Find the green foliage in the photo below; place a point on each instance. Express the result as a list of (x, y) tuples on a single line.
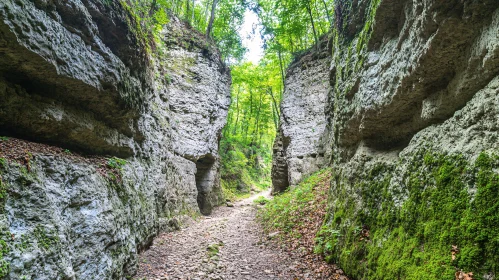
[(229, 15), (287, 210), (146, 18), (3, 163), (246, 145), (228, 20), (261, 200), (116, 163), (4, 138), (291, 26), (378, 230)]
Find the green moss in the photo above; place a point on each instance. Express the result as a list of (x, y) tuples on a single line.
[(115, 182), (3, 163), (3, 195), (365, 33), (46, 239), (407, 230), (349, 54), (5, 238), (213, 249)]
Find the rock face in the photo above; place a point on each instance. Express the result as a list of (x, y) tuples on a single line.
[(75, 74), (299, 148), (411, 114)]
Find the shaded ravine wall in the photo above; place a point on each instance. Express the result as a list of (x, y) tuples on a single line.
[(78, 75), (411, 122)]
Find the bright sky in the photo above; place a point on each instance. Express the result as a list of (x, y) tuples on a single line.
[(251, 38)]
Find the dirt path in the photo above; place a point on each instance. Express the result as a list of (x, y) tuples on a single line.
[(191, 253)]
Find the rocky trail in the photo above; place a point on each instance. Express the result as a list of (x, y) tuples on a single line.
[(229, 244)]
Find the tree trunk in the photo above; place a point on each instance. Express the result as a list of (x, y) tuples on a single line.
[(273, 99), (152, 10), (309, 10), (237, 110), (275, 116), (327, 13), (193, 11), (212, 18), (249, 117), (257, 122), (280, 64), (187, 10)]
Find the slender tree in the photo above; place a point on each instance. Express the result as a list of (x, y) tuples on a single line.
[(212, 18)]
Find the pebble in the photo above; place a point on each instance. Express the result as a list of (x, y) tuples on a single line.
[(241, 255)]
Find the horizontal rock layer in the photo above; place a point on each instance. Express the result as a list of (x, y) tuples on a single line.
[(411, 116), (77, 75)]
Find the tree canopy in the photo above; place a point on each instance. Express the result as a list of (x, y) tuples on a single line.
[(287, 28)]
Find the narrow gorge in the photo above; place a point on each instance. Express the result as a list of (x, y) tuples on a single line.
[(137, 141)]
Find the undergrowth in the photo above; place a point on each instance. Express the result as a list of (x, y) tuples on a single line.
[(244, 169), (300, 210)]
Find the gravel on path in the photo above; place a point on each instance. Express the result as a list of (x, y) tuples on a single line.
[(229, 244)]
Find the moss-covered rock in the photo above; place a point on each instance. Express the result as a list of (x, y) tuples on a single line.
[(439, 219)]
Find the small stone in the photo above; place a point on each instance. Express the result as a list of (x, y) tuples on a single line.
[(229, 204), (272, 235)]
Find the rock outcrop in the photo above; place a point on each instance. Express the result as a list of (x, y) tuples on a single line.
[(411, 116), (78, 75), (299, 148)]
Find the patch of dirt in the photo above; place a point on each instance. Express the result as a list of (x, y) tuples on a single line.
[(23, 152), (229, 244)]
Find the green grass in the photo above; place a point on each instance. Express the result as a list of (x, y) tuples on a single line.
[(261, 200), (288, 211)]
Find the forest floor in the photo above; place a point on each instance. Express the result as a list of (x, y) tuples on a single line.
[(229, 244)]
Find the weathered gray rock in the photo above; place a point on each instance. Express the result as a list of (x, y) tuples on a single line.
[(74, 74), (412, 74), (412, 103), (199, 104), (298, 149)]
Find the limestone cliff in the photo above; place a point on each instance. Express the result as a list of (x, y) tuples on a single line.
[(411, 114), (299, 149), (77, 75)]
